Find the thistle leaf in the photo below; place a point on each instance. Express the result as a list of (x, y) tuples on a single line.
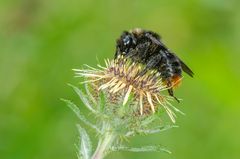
[(78, 152), (89, 93), (84, 98), (102, 102), (157, 129), (176, 109), (157, 148), (85, 146), (77, 111), (148, 120)]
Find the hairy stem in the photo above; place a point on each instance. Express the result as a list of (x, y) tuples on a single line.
[(104, 143)]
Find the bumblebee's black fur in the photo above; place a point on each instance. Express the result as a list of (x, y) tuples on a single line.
[(146, 47)]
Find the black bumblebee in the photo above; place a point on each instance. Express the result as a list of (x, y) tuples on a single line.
[(146, 47)]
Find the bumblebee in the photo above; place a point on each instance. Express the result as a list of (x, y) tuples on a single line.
[(146, 47)]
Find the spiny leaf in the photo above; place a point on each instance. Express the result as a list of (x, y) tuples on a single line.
[(77, 111), (157, 129), (86, 146), (157, 148), (150, 131), (78, 145), (148, 120), (176, 109), (102, 102), (83, 98), (89, 94)]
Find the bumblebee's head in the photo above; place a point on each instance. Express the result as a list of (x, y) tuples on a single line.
[(125, 43), (129, 40)]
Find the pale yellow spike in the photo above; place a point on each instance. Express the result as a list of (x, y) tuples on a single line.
[(104, 68), (102, 87), (134, 71), (127, 95), (106, 62), (87, 74), (149, 97), (108, 84), (141, 103), (116, 87), (144, 77), (170, 113), (109, 62), (91, 81), (113, 83), (158, 99), (119, 88)]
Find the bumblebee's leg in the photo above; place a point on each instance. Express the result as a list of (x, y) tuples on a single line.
[(170, 90)]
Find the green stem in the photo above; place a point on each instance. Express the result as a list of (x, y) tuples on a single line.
[(104, 144)]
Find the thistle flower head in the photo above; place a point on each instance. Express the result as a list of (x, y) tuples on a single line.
[(121, 80), (125, 101)]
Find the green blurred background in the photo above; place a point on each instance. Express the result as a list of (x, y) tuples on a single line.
[(42, 40)]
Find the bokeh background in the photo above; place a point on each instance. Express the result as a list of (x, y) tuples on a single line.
[(42, 40)]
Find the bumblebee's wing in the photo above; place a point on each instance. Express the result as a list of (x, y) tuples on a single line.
[(186, 68)]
